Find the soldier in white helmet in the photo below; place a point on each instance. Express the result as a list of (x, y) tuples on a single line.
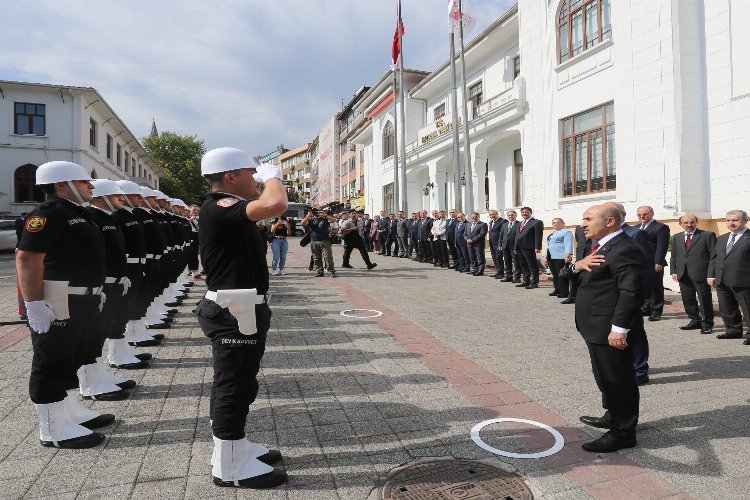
[(61, 271), (234, 314)]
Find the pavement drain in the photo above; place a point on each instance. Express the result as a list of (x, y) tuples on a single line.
[(448, 479)]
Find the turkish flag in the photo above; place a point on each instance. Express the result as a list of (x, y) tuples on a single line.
[(396, 49)]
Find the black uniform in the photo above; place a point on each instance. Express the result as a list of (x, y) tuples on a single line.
[(155, 247), (193, 255), (135, 248), (74, 248), (111, 322), (233, 257)]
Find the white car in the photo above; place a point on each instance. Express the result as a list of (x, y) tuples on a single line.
[(8, 238)]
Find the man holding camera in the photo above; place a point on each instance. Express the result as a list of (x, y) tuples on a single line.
[(319, 224)]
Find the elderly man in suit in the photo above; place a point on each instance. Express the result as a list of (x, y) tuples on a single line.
[(528, 245), (425, 231), (391, 240), (729, 272), (402, 233), (658, 235), (607, 315), (383, 231), (414, 236), (450, 237), (495, 229), (508, 247), (475, 236), (462, 248), (691, 254)]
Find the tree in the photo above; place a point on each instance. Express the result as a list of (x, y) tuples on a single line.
[(180, 159)]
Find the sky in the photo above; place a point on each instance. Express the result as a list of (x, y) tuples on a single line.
[(251, 74)]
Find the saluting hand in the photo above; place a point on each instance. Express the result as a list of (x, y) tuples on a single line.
[(589, 263)]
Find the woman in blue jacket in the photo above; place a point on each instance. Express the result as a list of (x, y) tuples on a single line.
[(559, 253)]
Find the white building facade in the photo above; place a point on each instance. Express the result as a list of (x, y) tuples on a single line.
[(577, 102), (41, 123)]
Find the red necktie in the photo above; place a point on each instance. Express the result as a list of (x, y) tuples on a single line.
[(594, 248), (688, 241), (523, 224)]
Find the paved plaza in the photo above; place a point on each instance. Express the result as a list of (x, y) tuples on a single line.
[(348, 399)]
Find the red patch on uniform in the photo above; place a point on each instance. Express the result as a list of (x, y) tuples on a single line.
[(35, 223), (227, 202)]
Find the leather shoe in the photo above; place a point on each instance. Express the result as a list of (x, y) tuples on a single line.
[(347, 266), (521, 284), (479, 274), (693, 325), (507, 280), (746, 342), (132, 366), (110, 396), (569, 300), (728, 335), (603, 422), (143, 356), (268, 480), (100, 421), (642, 380), (128, 384), (553, 293), (372, 266), (87, 441), (493, 275), (609, 443), (517, 281), (654, 317), (270, 458), (706, 330), (145, 343), (532, 286)]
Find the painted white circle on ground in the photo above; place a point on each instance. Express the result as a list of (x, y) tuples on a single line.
[(346, 313), (559, 440)]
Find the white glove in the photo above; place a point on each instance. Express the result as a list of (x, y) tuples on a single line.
[(102, 300), (126, 284), (265, 172), (40, 316)]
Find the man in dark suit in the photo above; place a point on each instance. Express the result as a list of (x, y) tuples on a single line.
[(528, 245), (508, 245), (402, 232), (450, 232), (729, 272), (425, 231), (691, 254), (658, 235), (383, 232), (462, 248), (414, 237), (476, 232), (367, 227), (607, 314), (495, 229), (391, 239)]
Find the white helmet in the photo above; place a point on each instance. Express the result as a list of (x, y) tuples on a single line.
[(60, 171), (129, 187), (160, 195), (179, 203), (106, 187), (221, 160), (147, 192)]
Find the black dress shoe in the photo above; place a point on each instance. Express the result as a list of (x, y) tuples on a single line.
[(728, 335), (517, 281), (173, 304), (562, 295), (693, 325), (157, 336), (532, 286), (264, 481), (79, 443), (110, 396), (609, 443), (158, 326), (372, 266), (642, 380), (498, 277), (145, 343), (654, 317), (143, 356), (481, 273), (270, 458), (746, 341), (707, 330), (603, 422), (493, 275), (569, 300), (553, 293), (128, 384), (100, 421), (347, 266), (507, 280), (521, 284), (132, 366)]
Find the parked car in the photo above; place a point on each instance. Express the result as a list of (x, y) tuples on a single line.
[(8, 238)]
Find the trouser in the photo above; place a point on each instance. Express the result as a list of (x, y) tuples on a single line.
[(614, 374), (414, 247), (640, 356), (135, 299), (108, 324), (359, 244), (426, 251), (321, 251), (453, 252), (368, 243), (391, 240), (441, 249), (279, 247), (462, 252), (236, 362), (559, 283), (497, 260), (529, 265), (512, 267), (688, 290), (477, 249), (657, 295), (732, 300), (56, 354), (193, 255), (402, 242)]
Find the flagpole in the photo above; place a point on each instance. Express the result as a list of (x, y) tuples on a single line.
[(467, 142), (395, 145), (403, 205), (454, 121)]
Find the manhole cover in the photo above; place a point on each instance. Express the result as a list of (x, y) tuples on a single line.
[(451, 479)]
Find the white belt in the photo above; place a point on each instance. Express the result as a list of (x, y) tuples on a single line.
[(212, 296), (136, 260), (111, 280), (152, 256), (84, 290), (169, 249), (241, 304)]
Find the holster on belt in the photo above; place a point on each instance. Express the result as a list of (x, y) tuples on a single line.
[(241, 303), (56, 297)]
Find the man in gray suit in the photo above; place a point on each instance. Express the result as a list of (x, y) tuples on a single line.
[(691, 253), (729, 272), (476, 233), (402, 233)]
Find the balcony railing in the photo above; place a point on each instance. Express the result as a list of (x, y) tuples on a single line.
[(359, 117)]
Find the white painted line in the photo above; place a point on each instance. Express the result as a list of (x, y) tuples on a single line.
[(559, 440), (377, 313)]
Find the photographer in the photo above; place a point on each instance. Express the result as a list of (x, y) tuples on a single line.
[(279, 230), (320, 240), (352, 239)]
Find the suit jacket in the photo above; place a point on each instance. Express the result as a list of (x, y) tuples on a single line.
[(403, 227), (731, 268), (392, 227), (414, 229), (612, 293), (508, 238), (583, 246), (383, 224), (425, 228), (641, 237), (460, 232), (450, 229), (496, 231), (531, 236), (658, 235), (367, 224), (478, 234), (695, 260)]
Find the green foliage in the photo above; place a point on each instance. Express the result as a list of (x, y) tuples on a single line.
[(180, 159)]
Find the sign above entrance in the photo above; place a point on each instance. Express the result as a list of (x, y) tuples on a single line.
[(435, 130)]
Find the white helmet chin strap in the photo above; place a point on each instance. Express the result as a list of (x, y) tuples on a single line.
[(127, 200), (109, 203), (75, 192)]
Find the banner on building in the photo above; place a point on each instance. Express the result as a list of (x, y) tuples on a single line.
[(327, 163), (357, 203)]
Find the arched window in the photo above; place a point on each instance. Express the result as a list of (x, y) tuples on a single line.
[(24, 184), (389, 140), (582, 24)]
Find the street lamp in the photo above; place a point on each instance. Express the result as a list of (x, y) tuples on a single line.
[(428, 187)]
